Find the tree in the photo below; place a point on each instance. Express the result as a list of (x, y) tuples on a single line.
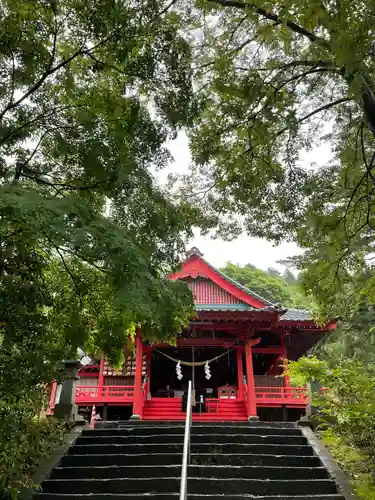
[(272, 76), (89, 93), (273, 272), (347, 400), (272, 288), (289, 277)]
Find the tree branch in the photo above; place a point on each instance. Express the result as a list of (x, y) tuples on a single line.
[(21, 166), (40, 82), (52, 70), (306, 73), (163, 11), (296, 28), (316, 111), (61, 186)]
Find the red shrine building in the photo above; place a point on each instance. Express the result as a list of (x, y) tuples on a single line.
[(234, 351)]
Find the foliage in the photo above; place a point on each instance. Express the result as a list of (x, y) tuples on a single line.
[(272, 285), (348, 401), (277, 79), (355, 464), (26, 442), (353, 339), (89, 93)]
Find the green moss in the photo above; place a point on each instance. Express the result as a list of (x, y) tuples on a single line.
[(357, 465)]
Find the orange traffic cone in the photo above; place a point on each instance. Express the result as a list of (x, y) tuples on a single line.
[(93, 417)]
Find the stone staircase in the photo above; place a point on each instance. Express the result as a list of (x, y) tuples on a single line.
[(143, 461)]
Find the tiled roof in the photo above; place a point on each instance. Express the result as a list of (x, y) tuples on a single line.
[(297, 315), (285, 314), (236, 307)]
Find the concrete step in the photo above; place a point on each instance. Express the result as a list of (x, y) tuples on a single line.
[(196, 485), (223, 471), (175, 496), (138, 430), (199, 459), (148, 459), (195, 438), (140, 423), (214, 448)]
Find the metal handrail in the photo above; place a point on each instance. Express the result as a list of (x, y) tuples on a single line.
[(186, 450)]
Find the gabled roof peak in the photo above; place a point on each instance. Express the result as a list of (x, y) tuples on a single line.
[(194, 251)]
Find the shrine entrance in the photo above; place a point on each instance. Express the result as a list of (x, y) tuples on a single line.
[(165, 383)]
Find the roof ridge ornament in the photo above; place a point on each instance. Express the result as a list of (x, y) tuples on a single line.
[(194, 251)]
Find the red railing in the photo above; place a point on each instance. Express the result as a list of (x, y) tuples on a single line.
[(290, 396), (104, 394)]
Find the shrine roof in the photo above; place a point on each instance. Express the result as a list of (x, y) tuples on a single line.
[(236, 307), (214, 291), (195, 268), (297, 315)]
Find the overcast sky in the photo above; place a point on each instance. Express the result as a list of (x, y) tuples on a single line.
[(243, 250)]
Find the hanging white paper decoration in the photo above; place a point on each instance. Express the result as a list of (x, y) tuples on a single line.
[(178, 371), (207, 371)]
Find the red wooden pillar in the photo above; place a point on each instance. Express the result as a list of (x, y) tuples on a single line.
[(101, 372), (240, 373), (137, 397), (285, 369), (285, 362), (251, 401), (149, 361)]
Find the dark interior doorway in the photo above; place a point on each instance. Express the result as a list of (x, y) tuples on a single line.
[(163, 370)]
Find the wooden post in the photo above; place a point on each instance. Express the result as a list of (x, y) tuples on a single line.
[(149, 361), (285, 361), (53, 395), (101, 371), (251, 401), (285, 370), (240, 373), (137, 397)]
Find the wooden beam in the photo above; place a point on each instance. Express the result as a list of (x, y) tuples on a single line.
[(268, 350)]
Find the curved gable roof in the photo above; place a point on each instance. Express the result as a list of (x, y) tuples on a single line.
[(195, 266)]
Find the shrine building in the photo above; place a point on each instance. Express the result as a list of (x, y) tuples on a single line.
[(234, 352)]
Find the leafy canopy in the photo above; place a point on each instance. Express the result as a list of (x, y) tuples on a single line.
[(89, 93), (270, 284), (276, 79)]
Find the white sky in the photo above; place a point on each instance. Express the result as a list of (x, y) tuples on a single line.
[(243, 250)]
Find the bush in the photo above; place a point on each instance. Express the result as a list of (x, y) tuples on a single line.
[(25, 443), (349, 400)]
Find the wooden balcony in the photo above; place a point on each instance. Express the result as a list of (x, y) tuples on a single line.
[(296, 397), (112, 394)]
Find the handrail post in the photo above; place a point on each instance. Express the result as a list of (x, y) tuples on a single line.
[(186, 450)]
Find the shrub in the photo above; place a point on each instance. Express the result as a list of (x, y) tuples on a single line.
[(349, 400), (25, 443)]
